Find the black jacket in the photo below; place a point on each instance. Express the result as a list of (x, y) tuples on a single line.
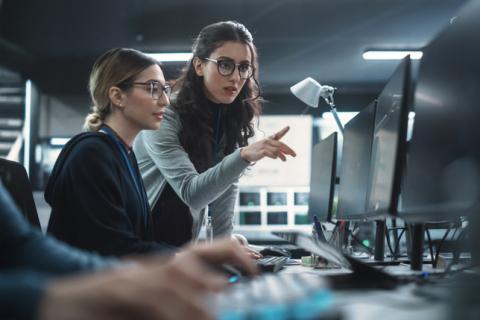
[(95, 205)]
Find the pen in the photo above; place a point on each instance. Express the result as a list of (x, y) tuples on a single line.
[(318, 229)]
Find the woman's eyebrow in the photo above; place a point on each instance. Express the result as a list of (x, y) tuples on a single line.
[(224, 58), (228, 58), (155, 80)]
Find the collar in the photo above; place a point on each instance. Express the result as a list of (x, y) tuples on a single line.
[(127, 147)]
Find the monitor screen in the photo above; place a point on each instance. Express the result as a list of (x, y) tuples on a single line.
[(389, 141), (355, 164), (322, 179), (443, 173)]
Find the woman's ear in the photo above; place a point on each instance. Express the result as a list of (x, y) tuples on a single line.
[(116, 96), (198, 65)]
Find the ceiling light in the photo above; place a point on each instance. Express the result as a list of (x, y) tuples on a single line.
[(391, 55), (58, 142), (171, 57)]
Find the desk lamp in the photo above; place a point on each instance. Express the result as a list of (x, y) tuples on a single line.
[(309, 91)]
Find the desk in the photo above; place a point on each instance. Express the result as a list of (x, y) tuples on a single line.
[(402, 302)]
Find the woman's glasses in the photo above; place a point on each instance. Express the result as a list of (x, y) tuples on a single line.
[(156, 88), (227, 67)]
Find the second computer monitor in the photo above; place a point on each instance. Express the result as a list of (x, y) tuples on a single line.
[(355, 165), (322, 179), (389, 142)]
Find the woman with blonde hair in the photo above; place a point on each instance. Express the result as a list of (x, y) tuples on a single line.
[(95, 190)]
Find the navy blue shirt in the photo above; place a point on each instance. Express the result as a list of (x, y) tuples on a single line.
[(28, 260)]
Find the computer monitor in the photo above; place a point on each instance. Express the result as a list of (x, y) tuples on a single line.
[(443, 165), (322, 179), (355, 165), (442, 179), (389, 143)]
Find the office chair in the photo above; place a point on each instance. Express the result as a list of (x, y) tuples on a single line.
[(14, 177)]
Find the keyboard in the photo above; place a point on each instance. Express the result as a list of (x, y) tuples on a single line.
[(271, 264), (273, 296)]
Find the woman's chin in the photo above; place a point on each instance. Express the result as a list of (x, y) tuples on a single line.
[(153, 126)]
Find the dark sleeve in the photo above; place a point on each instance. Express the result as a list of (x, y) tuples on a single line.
[(20, 294), (25, 246), (31, 258), (97, 183)]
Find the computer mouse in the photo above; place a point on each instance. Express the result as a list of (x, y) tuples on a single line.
[(275, 251)]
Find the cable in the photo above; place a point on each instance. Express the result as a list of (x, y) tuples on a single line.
[(387, 235), (394, 230), (394, 252), (454, 233), (397, 245), (429, 243), (334, 232), (456, 250), (360, 243), (435, 262)]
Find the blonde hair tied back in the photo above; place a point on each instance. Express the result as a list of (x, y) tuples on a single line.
[(115, 67), (94, 120)]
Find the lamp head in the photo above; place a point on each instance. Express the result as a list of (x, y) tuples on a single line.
[(309, 92)]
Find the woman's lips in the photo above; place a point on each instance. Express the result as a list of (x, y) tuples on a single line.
[(231, 90), (158, 115)]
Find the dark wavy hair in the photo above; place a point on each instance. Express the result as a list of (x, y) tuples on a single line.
[(191, 104)]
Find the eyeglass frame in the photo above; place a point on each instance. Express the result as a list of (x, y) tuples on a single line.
[(165, 88), (235, 66)]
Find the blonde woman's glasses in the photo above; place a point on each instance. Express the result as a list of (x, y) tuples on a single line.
[(156, 88)]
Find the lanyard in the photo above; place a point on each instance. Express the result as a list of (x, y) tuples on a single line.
[(218, 116), (135, 177)]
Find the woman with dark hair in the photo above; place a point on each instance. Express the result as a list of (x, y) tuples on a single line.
[(195, 159), (95, 190)]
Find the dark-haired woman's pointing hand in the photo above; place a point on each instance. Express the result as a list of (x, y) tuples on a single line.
[(270, 147)]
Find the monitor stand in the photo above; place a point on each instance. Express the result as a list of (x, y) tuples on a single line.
[(416, 254), (379, 249), (380, 230)]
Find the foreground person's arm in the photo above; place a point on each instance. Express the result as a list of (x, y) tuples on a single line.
[(154, 289)]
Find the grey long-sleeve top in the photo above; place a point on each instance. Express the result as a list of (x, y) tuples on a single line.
[(161, 159)]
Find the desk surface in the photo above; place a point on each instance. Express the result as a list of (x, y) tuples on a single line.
[(403, 302), (400, 303)]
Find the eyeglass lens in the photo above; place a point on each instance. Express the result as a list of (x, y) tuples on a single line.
[(227, 67), (157, 89)]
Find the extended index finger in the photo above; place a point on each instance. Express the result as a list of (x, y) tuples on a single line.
[(279, 135)]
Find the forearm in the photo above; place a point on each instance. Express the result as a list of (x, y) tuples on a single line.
[(48, 255), (198, 190)]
